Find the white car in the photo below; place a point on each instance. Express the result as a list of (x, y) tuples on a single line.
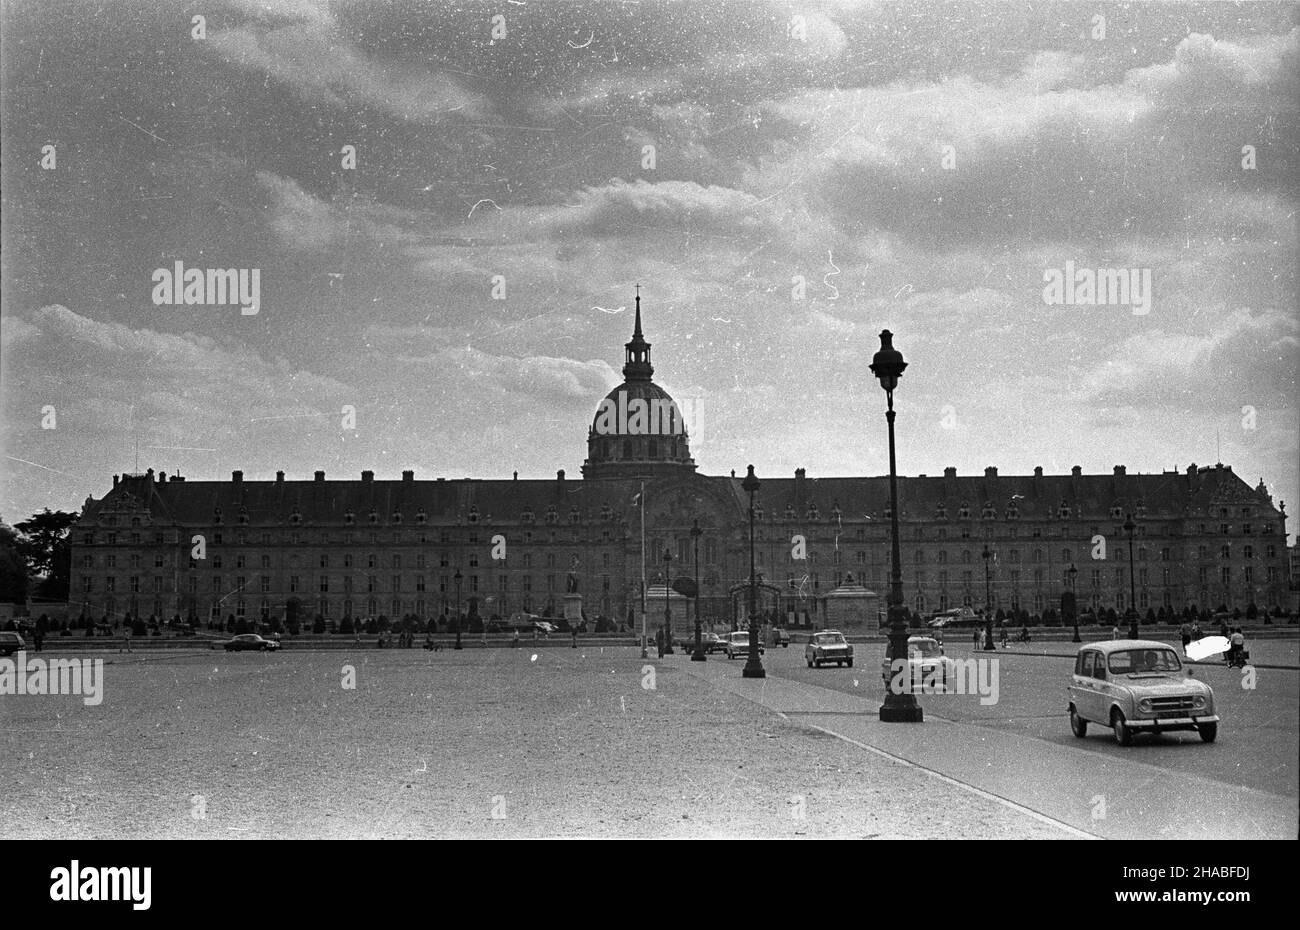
[(826, 647), (738, 644), (926, 663)]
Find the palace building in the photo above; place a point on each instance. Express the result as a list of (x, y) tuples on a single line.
[(280, 549)]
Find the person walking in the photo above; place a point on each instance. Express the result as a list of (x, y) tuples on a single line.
[(514, 640), (126, 638), (976, 639), (1185, 632), (38, 637), (1237, 646), (1196, 630), (1114, 633)]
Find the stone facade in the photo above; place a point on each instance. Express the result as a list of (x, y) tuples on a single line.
[(367, 547)]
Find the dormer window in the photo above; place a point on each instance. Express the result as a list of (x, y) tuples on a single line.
[(243, 514), (528, 516), (606, 513), (295, 517), (789, 511), (421, 517), (551, 515), (813, 513), (349, 517), (216, 516), (835, 512), (941, 512), (473, 513), (988, 513), (374, 517), (574, 515), (964, 511), (397, 516), (1116, 512)]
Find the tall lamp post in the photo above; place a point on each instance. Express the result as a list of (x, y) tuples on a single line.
[(887, 365), (1129, 527), (698, 654), (1074, 604), (753, 664), (457, 577), (668, 605), (988, 600)]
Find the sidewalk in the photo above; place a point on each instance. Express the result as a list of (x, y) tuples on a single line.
[(1082, 792)]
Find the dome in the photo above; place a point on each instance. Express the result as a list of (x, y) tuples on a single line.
[(638, 429)]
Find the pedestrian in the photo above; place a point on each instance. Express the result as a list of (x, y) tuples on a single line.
[(126, 638), (1004, 638), (37, 638), (1186, 633), (1114, 633), (514, 640), (977, 638), (1196, 630), (575, 637), (1237, 647), (659, 641)]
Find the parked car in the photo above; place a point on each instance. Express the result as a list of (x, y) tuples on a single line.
[(10, 643), (926, 662), (1138, 685), (826, 647), (714, 643), (738, 644), (780, 637), (251, 641)]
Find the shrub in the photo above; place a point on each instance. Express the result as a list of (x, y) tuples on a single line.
[(345, 626), (318, 624)]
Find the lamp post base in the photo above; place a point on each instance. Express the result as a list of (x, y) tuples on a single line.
[(699, 657), (755, 672), (901, 711)]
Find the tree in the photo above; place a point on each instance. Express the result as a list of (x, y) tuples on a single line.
[(13, 569), (47, 551)]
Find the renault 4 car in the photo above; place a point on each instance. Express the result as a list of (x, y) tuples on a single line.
[(1138, 686)]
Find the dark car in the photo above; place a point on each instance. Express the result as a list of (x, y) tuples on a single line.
[(780, 637), (10, 643), (247, 641)]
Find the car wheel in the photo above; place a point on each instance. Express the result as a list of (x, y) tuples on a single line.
[(1078, 726), (810, 663), (1123, 735), (850, 663), (1208, 731)]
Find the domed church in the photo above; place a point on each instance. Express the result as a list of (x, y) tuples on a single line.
[(312, 552)]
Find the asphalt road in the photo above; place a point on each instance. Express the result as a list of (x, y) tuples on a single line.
[(1257, 746)]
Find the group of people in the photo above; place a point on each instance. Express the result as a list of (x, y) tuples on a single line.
[(1236, 640)]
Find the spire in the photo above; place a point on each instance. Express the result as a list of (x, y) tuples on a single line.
[(638, 367)]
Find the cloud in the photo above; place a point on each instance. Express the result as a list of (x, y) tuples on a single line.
[(311, 58)]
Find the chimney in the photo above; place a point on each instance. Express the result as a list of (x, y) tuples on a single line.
[(115, 480), (516, 476), (162, 477), (1038, 471), (950, 472), (559, 475), (1121, 469), (799, 476), (320, 476), (237, 477), (365, 475), (408, 476), (991, 471), (279, 477), (1076, 471), (1191, 469)]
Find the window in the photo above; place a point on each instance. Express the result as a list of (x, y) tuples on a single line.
[(266, 561), (324, 560), (397, 582), (397, 561), (324, 583), (293, 583)]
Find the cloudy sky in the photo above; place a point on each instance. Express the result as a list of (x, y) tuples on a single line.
[(917, 166)]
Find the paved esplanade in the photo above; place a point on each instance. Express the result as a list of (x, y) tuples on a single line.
[(1089, 786)]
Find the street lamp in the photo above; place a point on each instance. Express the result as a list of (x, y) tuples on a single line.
[(668, 605), (753, 664), (457, 577), (1074, 604), (1129, 527), (887, 366), (988, 600), (698, 654)]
